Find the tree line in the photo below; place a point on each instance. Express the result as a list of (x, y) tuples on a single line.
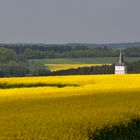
[(42, 51), (19, 70), (132, 67)]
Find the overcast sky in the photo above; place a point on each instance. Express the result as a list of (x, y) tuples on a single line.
[(69, 21)]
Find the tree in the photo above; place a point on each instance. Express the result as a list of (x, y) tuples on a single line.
[(6, 55)]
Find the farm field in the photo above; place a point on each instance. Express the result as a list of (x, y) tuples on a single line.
[(57, 67), (70, 107), (96, 60), (68, 63)]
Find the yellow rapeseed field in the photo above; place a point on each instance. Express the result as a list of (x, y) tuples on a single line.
[(67, 107), (56, 67)]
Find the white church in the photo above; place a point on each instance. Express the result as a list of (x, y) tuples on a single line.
[(120, 67)]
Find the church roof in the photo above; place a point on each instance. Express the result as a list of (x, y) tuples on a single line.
[(120, 60)]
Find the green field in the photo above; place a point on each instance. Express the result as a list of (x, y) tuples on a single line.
[(97, 60)]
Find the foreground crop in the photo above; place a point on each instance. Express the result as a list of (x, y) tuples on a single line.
[(99, 107)]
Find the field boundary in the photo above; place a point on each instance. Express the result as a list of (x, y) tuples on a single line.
[(30, 85)]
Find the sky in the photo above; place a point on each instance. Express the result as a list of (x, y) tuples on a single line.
[(69, 21)]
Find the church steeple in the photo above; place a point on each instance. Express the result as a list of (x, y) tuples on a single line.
[(120, 67), (120, 58)]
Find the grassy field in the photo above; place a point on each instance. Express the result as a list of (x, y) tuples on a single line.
[(70, 107), (96, 60)]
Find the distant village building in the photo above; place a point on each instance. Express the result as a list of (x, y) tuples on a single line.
[(120, 67)]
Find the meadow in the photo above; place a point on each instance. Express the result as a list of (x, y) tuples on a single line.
[(70, 107), (95, 60)]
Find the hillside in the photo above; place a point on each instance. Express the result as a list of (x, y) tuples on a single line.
[(15, 58)]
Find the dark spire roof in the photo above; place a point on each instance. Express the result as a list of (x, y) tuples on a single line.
[(120, 60)]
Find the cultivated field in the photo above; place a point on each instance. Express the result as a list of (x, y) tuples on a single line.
[(57, 67), (68, 63), (70, 107), (95, 60)]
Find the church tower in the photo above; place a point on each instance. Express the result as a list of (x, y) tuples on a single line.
[(120, 67)]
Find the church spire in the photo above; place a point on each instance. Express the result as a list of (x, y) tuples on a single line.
[(120, 58), (120, 67)]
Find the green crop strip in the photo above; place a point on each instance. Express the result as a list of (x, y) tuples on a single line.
[(29, 85)]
